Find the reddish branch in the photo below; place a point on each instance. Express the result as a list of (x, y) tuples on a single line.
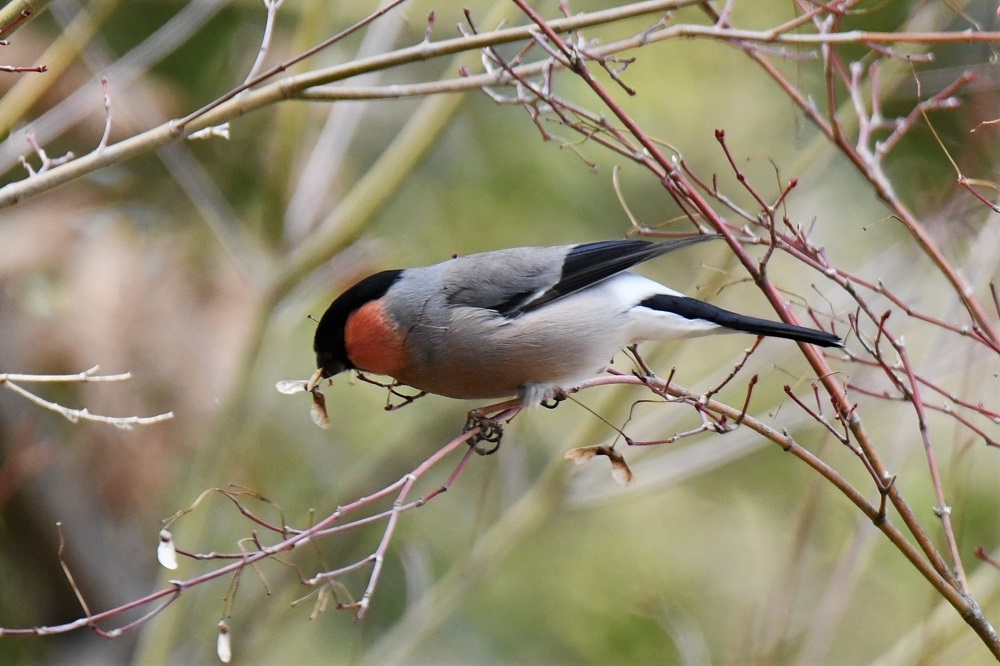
[(324, 528), (863, 161), (951, 583)]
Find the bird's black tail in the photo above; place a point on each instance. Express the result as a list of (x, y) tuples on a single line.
[(692, 308)]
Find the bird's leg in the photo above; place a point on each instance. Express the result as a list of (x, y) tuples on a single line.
[(553, 402), (490, 431), (490, 421)]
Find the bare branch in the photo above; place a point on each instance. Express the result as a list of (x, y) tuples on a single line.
[(12, 381)]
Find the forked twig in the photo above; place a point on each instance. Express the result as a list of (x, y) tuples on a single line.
[(13, 382)]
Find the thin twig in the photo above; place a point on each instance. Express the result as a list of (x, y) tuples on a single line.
[(12, 380), (272, 7)]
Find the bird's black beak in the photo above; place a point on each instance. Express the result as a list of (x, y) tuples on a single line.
[(328, 367)]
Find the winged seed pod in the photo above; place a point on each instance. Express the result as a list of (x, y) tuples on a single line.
[(224, 644), (165, 551)]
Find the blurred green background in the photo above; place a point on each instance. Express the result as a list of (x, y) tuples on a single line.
[(725, 551)]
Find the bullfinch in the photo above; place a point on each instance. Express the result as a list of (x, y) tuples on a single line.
[(530, 322)]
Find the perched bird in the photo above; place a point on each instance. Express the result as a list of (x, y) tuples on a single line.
[(529, 322)]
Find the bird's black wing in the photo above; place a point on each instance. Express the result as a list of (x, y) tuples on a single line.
[(589, 263)]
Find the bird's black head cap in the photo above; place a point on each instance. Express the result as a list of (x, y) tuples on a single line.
[(329, 343)]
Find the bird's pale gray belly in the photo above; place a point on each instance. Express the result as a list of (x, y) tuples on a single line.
[(480, 355)]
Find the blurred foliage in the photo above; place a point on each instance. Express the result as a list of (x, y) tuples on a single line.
[(736, 561)]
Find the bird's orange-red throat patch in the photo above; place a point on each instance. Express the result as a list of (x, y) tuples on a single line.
[(374, 343)]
